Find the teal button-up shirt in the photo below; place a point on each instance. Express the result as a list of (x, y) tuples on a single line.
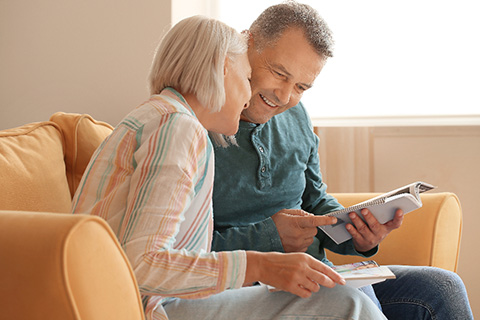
[(275, 166)]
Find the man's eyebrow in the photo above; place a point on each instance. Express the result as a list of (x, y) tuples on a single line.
[(282, 69), (307, 85), (288, 74)]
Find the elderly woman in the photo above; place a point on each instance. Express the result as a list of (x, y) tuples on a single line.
[(152, 181)]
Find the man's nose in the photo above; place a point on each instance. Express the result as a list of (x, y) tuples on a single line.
[(284, 95)]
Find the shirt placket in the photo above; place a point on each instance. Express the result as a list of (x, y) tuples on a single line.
[(263, 170)]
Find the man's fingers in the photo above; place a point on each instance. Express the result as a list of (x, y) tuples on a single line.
[(397, 220), (296, 212), (371, 224), (315, 221), (353, 231)]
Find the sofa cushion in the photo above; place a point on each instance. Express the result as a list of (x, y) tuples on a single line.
[(32, 170), (82, 135)]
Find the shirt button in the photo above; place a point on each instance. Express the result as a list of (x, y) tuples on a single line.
[(261, 149), (263, 169)]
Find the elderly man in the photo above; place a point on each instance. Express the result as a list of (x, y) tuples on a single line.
[(269, 188)]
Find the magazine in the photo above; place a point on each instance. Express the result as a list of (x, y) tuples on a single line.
[(382, 207), (363, 273)]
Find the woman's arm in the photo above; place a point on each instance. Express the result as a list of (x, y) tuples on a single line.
[(170, 164)]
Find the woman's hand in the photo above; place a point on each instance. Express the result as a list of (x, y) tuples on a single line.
[(297, 273)]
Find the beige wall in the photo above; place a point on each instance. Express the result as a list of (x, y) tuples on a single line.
[(380, 159), (80, 56)]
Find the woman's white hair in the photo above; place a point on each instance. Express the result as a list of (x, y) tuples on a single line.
[(191, 58)]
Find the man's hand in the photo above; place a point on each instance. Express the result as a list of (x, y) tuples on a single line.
[(297, 228), (368, 235), (297, 273)]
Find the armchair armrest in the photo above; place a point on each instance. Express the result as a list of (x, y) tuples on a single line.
[(64, 266), (429, 236)]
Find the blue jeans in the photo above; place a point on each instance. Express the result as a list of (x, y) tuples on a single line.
[(423, 293), (340, 302)]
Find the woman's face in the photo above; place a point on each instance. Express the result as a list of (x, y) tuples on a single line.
[(237, 94)]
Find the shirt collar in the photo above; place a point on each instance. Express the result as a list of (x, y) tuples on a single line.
[(171, 92)]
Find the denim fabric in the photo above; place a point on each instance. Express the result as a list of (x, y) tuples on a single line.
[(368, 290), (425, 293), (340, 302)]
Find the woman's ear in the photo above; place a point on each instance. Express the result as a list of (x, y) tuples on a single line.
[(226, 65)]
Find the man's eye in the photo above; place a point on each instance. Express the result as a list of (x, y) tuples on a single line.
[(278, 74)]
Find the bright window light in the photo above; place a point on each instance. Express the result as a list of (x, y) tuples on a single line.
[(392, 58)]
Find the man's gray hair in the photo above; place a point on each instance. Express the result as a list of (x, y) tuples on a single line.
[(272, 22)]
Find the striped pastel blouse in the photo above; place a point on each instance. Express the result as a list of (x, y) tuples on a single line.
[(152, 181)]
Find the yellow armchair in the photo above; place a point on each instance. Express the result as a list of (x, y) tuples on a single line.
[(63, 266), (55, 265), (429, 236)]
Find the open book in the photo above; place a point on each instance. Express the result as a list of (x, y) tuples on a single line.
[(382, 207), (363, 273)]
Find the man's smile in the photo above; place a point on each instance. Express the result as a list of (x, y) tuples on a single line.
[(268, 102)]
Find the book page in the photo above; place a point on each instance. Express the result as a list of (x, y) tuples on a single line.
[(363, 273)]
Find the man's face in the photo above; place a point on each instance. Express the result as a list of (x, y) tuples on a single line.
[(280, 75)]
